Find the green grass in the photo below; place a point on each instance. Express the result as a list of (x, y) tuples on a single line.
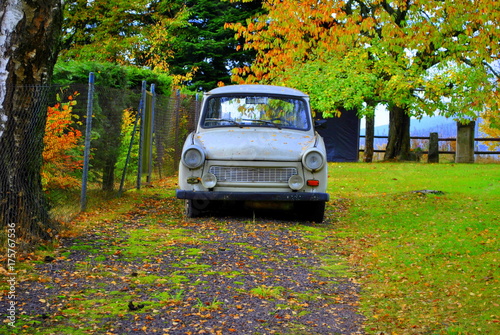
[(150, 242), (208, 305), (429, 263), (267, 292), (173, 297), (426, 263)]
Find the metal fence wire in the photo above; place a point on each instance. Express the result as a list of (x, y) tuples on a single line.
[(23, 109), (115, 140)]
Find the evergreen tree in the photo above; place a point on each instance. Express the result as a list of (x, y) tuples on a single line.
[(207, 47)]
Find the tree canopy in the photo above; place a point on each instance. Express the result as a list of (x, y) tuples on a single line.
[(184, 38), (123, 32), (416, 57), (428, 55)]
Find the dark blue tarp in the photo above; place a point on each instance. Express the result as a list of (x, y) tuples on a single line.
[(341, 136)]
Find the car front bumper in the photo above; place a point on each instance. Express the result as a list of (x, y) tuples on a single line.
[(253, 196)]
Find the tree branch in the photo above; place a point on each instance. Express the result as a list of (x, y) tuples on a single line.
[(492, 69)]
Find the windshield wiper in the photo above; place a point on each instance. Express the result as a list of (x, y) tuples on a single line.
[(226, 120), (277, 125)]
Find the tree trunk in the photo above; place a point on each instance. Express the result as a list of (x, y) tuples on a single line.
[(108, 174), (29, 38), (398, 145), (369, 137)]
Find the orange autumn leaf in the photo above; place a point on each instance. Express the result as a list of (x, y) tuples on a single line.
[(62, 154)]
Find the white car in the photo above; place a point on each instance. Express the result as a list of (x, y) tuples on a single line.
[(255, 144)]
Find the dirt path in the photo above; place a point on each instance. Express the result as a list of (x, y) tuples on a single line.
[(150, 272)]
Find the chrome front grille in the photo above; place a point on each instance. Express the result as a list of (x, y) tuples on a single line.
[(252, 174)]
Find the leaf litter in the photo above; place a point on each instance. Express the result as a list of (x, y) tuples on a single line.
[(154, 272)]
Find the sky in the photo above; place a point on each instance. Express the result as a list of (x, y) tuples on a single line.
[(381, 117)]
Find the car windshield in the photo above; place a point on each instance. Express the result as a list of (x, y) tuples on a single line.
[(256, 111)]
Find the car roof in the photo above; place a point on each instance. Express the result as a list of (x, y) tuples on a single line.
[(257, 89)]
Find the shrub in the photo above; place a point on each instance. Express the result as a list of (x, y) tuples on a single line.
[(62, 154)]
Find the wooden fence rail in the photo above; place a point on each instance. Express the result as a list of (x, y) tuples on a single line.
[(445, 139)]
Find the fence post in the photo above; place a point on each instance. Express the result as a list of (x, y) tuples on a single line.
[(149, 123), (141, 133), (131, 144), (465, 142), (433, 155), (197, 110), (86, 152), (177, 113)]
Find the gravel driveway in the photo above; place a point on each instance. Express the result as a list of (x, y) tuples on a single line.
[(153, 272)]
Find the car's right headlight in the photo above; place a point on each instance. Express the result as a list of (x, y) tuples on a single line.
[(193, 157), (313, 160), (209, 180)]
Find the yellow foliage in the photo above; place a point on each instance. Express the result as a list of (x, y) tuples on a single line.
[(492, 132), (179, 80)]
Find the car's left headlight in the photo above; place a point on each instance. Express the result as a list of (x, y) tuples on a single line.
[(193, 157), (313, 160), (296, 182)]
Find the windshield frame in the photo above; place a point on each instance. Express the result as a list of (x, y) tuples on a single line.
[(256, 122)]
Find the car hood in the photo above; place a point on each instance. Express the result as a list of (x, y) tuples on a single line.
[(254, 144)]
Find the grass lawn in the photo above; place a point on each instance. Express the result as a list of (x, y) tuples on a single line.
[(428, 263)]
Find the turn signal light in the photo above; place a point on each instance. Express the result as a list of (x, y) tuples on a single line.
[(312, 182)]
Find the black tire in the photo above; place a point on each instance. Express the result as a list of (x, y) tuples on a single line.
[(195, 207), (313, 211)]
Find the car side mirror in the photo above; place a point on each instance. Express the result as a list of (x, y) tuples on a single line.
[(320, 124)]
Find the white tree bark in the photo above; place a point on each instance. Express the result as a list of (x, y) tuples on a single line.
[(11, 14)]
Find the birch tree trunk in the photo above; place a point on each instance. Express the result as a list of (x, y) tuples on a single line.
[(29, 39)]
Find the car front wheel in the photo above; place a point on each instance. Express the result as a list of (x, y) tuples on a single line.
[(313, 211), (195, 207)]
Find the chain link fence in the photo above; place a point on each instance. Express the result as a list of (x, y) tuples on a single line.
[(115, 141)]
